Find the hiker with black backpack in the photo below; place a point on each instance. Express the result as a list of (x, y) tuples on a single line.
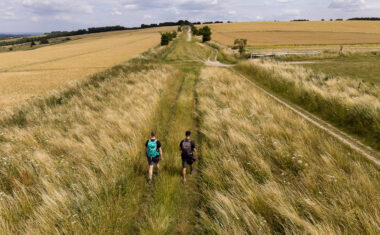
[(188, 149), (153, 154)]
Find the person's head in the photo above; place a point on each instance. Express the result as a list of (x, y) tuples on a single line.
[(153, 134), (188, 134)]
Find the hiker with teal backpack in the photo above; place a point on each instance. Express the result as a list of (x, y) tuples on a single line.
[(153, 154)]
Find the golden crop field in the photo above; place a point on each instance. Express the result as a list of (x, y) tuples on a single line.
[(24, 74), (298, 33)]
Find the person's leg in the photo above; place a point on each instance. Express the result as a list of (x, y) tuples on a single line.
[(184, 166), (150, 172), (158, 167), (184, 173)]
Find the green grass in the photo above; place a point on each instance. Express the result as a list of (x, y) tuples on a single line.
[(359, 67), (313, 46)]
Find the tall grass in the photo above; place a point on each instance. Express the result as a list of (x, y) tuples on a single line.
[(342, 101), (67, 161), (267, 171)]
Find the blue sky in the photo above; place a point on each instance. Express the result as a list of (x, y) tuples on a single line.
[(50, 15)]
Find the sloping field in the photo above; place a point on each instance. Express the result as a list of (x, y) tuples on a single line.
[(28, 73), (298, 33)]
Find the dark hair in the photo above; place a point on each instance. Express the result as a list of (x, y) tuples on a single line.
[(188, 133), (153, 133)]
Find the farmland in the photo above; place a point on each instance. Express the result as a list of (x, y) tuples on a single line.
[(298, 33), (73, 162), (24, 74)]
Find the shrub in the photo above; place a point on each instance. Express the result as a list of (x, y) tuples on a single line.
[(167, 37), (44, 41), (206, 33), (32, 44), (241, 44)]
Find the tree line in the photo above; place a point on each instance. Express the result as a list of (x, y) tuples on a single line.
[(56, 34), (366, 18)]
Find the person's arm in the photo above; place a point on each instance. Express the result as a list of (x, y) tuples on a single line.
[(160, 151), (193, 146), (180, 146)]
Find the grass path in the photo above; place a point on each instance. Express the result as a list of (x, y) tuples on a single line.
[(172, 206), (167, 206)]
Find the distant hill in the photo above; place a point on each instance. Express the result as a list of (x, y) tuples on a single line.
[(5, 36)]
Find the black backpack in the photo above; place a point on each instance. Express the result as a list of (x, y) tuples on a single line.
[(186, 148)]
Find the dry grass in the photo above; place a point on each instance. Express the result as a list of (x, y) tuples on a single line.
[(63, 163), (347, 103), (31, 73), (341, 88), (298, 33), (267, 171)]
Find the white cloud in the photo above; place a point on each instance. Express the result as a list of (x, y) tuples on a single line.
[(115, 11), (43, 7), (35, 18), (130, 6), (259, 17), (347, 4), (63, 17), (233, 12), (7, 13), (285, 1)]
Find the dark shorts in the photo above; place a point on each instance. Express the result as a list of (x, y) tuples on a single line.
[(187, 161), (154, 160)]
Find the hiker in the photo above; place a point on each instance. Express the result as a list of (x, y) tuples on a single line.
[(153, 154), (187, 147)]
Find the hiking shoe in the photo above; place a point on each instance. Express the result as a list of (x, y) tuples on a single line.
[(184, 181), (149, 181)]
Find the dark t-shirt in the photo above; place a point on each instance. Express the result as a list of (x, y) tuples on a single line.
[(158, 144), (192, 147)]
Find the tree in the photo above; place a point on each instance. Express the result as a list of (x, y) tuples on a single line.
[(241, 44), (206, 33), (32, 44)]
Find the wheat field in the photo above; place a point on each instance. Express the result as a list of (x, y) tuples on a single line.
[(298, 33), (24, 74)]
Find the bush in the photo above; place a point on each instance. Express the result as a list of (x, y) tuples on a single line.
[(241, 44), (167, 37), (32, 44), (44, 41), (194, 30), (179, 29)]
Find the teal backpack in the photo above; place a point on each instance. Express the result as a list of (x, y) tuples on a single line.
[(151, 150)]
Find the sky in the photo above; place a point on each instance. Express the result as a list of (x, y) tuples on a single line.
[(18, 16)]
